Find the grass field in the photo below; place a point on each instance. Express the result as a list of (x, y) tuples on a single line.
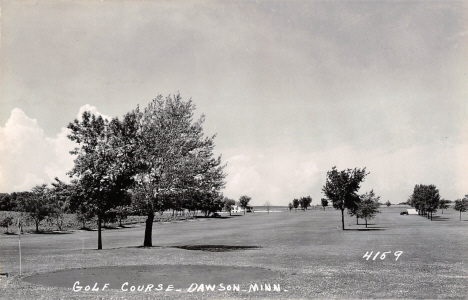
[(305, 253)]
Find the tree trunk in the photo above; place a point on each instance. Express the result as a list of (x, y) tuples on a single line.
[(149, 230), (366, 222), (342, 218), (37, 225), (99, 232), (460, 214), (357, 220), (431, 215)]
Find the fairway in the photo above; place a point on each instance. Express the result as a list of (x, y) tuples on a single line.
[(306, 254)]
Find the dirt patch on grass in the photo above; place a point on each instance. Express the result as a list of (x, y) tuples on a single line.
[(216, 248), (180, 276)]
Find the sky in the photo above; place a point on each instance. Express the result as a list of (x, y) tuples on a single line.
[(290, 88)]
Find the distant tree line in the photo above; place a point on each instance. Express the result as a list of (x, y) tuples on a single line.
[(303, 203), (426, 200)]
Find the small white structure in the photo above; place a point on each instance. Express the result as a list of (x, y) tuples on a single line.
[(412, 211), (235, 209)]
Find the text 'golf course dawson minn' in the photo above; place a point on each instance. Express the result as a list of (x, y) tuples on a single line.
[(193, 288)]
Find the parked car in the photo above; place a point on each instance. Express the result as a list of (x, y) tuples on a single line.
[(404, 213)]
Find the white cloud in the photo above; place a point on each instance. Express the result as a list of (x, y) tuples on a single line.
[(93, 110), (28, 157), (30, 181)]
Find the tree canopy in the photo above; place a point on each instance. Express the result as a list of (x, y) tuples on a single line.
[(103, 167), (341, 188), (461, 205), (425, 199), (244, 202), (368, 207), (176, 162)]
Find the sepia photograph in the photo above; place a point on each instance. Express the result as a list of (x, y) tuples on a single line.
[(233, 149)]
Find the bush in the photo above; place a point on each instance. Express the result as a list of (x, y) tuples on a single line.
[(6, 221)]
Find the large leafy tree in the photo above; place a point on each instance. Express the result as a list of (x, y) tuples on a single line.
[(104, 166), (176, 159), (341, 188)]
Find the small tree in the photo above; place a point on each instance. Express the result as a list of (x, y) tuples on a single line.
[(324, 203), (6, 221), (461, 205), (295, 204), (388, 203), (244, 202), (369, 206), (37, 204), (354, 207), (228, 204), (305, 202), (290, 206), (443, 204), (121, 212), (60, 196), (267, 206)]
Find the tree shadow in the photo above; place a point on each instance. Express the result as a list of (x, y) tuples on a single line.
[(112, 227), (49, 232), (365, 229), (216, 248), (439, 218), (88, 229), (128, 247), (214, 217)]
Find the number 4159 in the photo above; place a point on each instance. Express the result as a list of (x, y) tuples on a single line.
[(383, 255)]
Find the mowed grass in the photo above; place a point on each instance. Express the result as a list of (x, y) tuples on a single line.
[(312, 256)]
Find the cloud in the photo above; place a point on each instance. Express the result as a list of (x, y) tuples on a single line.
[(93, 110), (28, 157)]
